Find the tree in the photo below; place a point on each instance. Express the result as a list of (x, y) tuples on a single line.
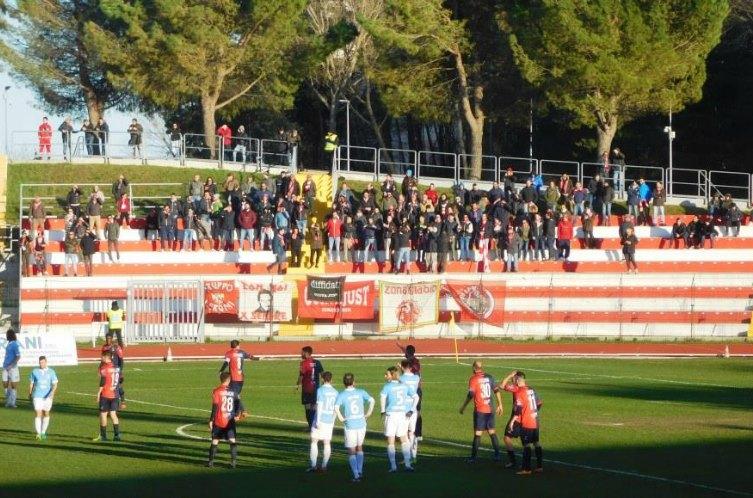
[(610, 61), (227, 54), (47, 48)]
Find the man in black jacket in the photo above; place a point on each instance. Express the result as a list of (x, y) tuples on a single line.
[(227, 225), (732, 219), (680, 232), (88, 249), (550, 232), (528, 194)]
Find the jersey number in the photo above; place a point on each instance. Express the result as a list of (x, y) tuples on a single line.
[(329, 404), (227, 404), (486, 390), (239, 363), (532, 402), (114, 380), (355, 407)]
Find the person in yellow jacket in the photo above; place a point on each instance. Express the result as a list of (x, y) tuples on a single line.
[(116, 321), (330, 146)]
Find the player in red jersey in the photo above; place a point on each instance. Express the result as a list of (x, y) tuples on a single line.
[(480, 388), (527, 406), (512, 429), (415, 365), (308, 379), (225, 413), (234, 359), (111, 344), (107, 397)]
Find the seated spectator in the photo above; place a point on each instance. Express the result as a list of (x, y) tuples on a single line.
[(708, 232), (695, 232), (680, 232)]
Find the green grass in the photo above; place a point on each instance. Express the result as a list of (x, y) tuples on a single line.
[(678, 420)]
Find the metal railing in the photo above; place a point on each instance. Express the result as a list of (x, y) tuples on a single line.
[(689, 183), (738, 185), (275, 153), (358, 160), (525, 166), (551, 169), (437, 165), (395, 161), (489, 168)]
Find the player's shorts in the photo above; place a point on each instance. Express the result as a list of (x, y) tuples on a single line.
[(308, 398), (529, 436), (420, 393), (483, 421), (322, 431), (396, 424), (514, 431), (224, 434), (354, 437), (412, 421), (236, 386), (108, 404), (11, 374), (42, 404)]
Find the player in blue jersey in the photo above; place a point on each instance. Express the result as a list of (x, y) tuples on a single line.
[(398, 402), (11, 375), (349, 408), (43, 383), (412, 379), (324, 422)]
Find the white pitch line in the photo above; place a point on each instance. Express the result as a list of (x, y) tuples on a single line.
[(460, 445)]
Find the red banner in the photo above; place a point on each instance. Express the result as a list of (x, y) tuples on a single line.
[(357, 303), (479, 302), (220, 300)]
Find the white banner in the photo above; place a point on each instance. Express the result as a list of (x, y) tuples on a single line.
[(59, 348), (403, 306), (265, 301)]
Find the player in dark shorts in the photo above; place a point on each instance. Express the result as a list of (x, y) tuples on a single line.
[(225, 413), (233, 360), (480, 388), (107, 397), (113, 346), (527, 406), (308, 379), (512, 429), (415, 365)]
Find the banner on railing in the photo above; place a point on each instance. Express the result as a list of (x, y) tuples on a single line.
[(356, 302), (324, 289), (478, 301), (403, 306), (59, 348), (264, 301), (220, 300)]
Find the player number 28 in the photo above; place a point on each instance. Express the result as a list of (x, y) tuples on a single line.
[(227, 404)]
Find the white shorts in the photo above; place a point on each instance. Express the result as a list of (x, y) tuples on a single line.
[(42, 404), (412, 422), (395, 424), (322, 432), (354, 437), (11, 374)]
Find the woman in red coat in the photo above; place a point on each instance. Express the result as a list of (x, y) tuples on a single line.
[(123, 206), (564, 235)]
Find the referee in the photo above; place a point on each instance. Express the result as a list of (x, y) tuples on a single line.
[(115, 319)]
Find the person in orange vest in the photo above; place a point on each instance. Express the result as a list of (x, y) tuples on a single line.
[(44, 132)]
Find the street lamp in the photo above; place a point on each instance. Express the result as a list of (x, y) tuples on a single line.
[(670, 136), (347, 127), (5, 116)]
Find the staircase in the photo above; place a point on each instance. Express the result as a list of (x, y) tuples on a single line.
[(321, 206)]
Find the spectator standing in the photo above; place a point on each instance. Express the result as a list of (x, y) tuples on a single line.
[(564, 235), (634, 200), (94, 211), (176, 139), (403, 247), (524, 235), (309, 190), (66, 131), (432, 243), (644, 193), (629, 241), (550, 231), (538, 238), (294, 140), (466, 234), (112, 235), (247, 222), (135, 132), (103, 136), (123, 206), (732, 219), (73, 200), (227, 226), (317, 244), (196, 191), (167, 228), (40, 253), (44, 134), (485, 234), (588, 229), (279, 245), (87, 128), (606, 199), (593, 187), (151, 225), (88, 249), (190, 230), (71, 248), (334, 231), (618, 171), (296, 247), (226, 140), (119, 187), (38, 214), (552, 196), (512, 249), (578, 199), (349, 239), (282, 144), (659, 199), (27, 252)]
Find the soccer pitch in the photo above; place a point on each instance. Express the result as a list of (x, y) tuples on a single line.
[(681, 427)]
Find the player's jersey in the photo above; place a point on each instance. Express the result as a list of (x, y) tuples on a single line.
[(513, 389), (351, 402), (326, 396), (109, 376), (117, 354), (527, 407), (480, 388), (411, 379), (310, 371), (415, 365), (234, 358), (398, 397), (43, 379), (224, 406), (11, 352)]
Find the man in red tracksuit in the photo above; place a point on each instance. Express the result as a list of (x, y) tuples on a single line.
[(44, 132), (564, 235)]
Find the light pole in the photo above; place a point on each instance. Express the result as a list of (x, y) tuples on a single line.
[(5, 116), (347, 127), (671, 137)]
